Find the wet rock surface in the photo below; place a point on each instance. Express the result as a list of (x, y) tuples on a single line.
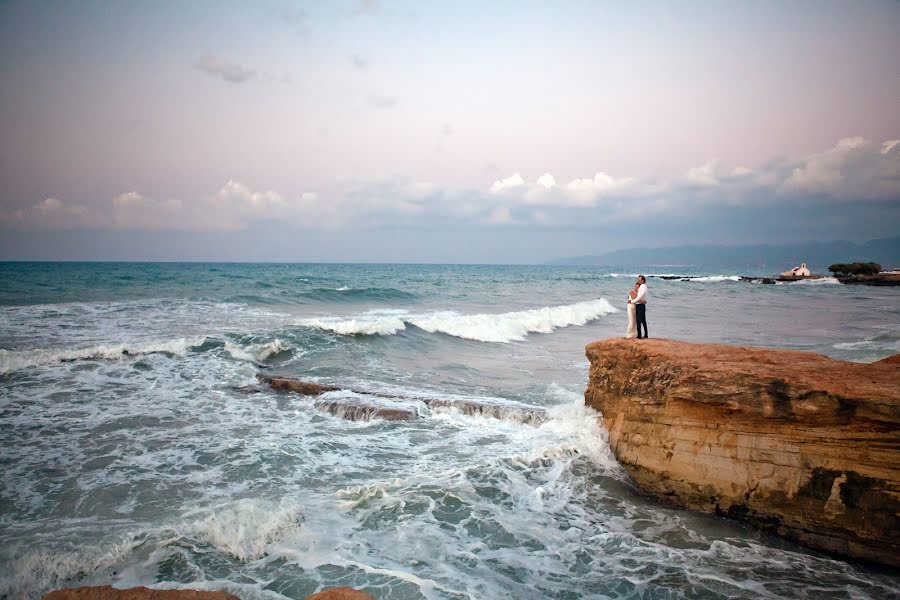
[(106, 592), (363, 405), (794, 442)]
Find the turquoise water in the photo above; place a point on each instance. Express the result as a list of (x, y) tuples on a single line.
[(137, 448)]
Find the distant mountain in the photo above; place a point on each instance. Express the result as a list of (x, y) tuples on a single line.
[(774, 257)]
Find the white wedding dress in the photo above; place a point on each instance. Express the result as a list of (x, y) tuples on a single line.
[(632, 322)]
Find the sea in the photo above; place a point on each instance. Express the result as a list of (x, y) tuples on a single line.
[(138, 446)]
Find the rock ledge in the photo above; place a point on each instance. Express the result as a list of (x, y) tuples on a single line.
[(793, 442)]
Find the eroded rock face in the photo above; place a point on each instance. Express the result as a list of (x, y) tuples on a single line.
[(794, 442), (105, 592)]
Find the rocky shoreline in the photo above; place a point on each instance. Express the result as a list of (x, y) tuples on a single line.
[(796, 443), (106, 592), (886, 279)]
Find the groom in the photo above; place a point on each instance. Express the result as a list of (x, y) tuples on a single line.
[(640, 302)]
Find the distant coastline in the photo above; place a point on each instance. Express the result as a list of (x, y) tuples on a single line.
[(765, 256)]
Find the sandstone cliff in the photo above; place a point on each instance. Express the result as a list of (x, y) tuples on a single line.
[(794, 442)]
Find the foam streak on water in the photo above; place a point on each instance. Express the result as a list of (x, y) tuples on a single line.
[(138, 447)]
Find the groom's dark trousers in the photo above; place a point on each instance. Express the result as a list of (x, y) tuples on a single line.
[(641, 313)]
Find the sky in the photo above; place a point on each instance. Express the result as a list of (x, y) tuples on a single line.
[(457, 132)]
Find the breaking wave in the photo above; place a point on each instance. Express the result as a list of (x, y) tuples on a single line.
[(15, 360), (257, 352), (501, 328), (247, 527)]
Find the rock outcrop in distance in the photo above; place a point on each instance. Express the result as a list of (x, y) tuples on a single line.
[(794, 442), (891, 279)]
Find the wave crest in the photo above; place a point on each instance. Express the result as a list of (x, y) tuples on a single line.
[(15, 360), (257, 352), (500, 328)]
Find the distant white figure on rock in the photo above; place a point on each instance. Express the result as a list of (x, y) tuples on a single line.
[(801, 271)]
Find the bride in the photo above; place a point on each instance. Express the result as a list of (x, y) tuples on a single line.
[(632, 319)]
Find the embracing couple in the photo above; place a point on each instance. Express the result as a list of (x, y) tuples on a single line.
[(637, 309)]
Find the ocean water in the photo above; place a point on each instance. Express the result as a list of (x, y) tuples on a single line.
[(137, 447)]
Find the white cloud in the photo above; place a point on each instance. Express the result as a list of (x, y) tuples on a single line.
[(501, 185), (703, 177), (49, 213), (546, 181), (578, 192), (223, 69), (854, 169), (132, 210)]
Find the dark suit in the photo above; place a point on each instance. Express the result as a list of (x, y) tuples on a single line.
[(641, 314)]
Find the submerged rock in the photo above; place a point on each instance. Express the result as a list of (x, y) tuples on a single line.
[(106, 592), (287, 384), (353, 410), (358, 409), (794, 442), (532, 416)]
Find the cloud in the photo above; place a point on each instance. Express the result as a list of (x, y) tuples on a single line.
[(383, 102), (510, 183), (131, 210), (49, 213), (702, 177), (224, 70), (584, 192), (854, 169)]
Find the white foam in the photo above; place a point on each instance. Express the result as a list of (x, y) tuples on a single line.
[(343, 288), (369, 324), (246, 528), (15, 360), (820, 281), (502, 328), (257, 352), (715, 278), (36, 572)]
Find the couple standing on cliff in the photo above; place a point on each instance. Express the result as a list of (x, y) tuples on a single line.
[(637, 309)]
